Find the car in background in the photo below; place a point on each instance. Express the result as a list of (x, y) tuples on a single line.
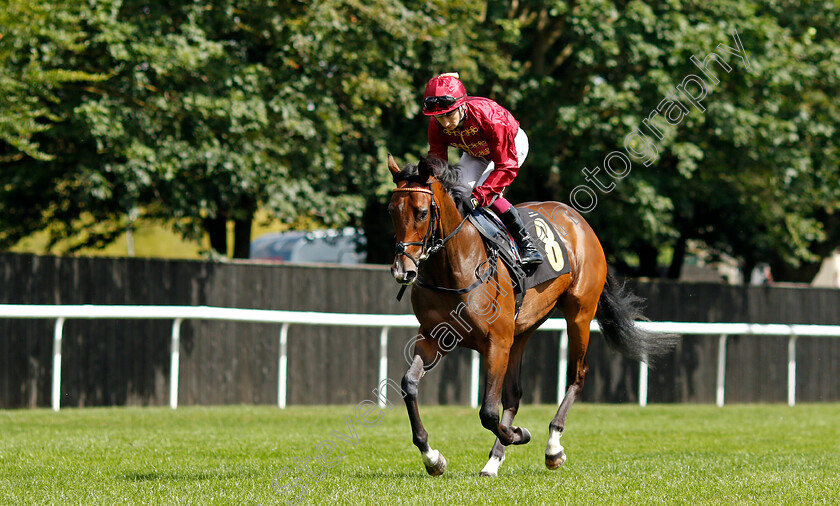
[(335, 246)]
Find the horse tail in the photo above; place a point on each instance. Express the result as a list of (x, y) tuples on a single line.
[(618, 310)]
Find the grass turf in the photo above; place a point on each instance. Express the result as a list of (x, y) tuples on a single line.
[(756, 454)]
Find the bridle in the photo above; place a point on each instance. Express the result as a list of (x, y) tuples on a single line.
[(431, 243)]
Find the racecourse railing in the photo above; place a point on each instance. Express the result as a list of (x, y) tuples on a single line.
[(60, 313)]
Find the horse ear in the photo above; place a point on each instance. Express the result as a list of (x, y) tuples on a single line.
[(392, 165), (424, 170)]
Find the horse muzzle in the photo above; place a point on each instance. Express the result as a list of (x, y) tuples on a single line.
[(402, 275)]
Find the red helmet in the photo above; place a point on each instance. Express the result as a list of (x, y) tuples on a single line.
[(444, 93)]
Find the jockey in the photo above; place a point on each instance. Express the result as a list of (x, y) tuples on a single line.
[(493, 145)]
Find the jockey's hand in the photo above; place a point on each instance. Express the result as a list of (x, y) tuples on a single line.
[(482, 197), (473, 203)]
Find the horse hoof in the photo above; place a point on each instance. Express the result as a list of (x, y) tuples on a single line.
[(491, 469), (524, 437), (435, 464), (555, 461)]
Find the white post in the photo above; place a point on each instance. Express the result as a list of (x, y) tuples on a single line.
[(721, 369), (175, 363), (56, 384), (643, 384), (563, 366), (281, 367), (475, 363), (383, 365), (792, 370)]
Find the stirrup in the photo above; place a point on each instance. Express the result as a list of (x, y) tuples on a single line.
[(530, 256)]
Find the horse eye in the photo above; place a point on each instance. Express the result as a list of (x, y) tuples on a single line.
[(422, 215)]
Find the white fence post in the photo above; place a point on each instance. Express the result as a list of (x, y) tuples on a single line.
[(721, 370), (175, 363), (643, 384), (562, 365), (56, 383), (281, 367), (475, 365), (383, 365), (792, 370)]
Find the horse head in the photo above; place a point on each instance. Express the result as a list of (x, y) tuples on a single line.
[(414, 213)]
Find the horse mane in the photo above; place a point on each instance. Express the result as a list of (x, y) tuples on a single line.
[(447, 175)]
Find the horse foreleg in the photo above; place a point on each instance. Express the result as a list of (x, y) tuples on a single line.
[(497, 453), (497, 365), (511, 395), (433, 460)]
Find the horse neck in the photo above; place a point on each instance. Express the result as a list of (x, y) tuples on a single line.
[(454, 266)]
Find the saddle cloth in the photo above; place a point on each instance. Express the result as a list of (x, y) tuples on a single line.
[(546, 239)]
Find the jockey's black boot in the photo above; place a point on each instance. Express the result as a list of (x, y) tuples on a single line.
[(529, 253)]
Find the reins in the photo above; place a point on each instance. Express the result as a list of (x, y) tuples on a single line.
[(480, 278), (431, 245)]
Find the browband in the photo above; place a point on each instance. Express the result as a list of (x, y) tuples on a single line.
[(414, 189)]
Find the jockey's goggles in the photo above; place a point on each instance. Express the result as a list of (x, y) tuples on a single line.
[(441, 103)]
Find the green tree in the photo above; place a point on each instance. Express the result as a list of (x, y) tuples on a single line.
[(212, 109), (37, 45)]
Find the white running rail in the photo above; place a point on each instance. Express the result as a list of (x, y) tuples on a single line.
[(61, 313)]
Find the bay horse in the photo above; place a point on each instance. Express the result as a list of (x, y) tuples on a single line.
[(463, 296)]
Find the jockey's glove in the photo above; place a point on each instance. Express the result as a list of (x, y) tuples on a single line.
[(473, 203)]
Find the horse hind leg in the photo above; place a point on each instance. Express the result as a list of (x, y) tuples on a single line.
[(511, 395), (578, 319)]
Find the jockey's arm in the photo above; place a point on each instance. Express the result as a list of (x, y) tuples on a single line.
[(505, 164)]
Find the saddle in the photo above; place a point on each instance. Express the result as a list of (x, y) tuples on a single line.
[(499, 241)]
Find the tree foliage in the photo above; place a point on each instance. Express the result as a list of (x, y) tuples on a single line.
[(199, 113), (37, 44)]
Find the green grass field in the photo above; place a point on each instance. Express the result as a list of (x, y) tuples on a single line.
[(751, 454)]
